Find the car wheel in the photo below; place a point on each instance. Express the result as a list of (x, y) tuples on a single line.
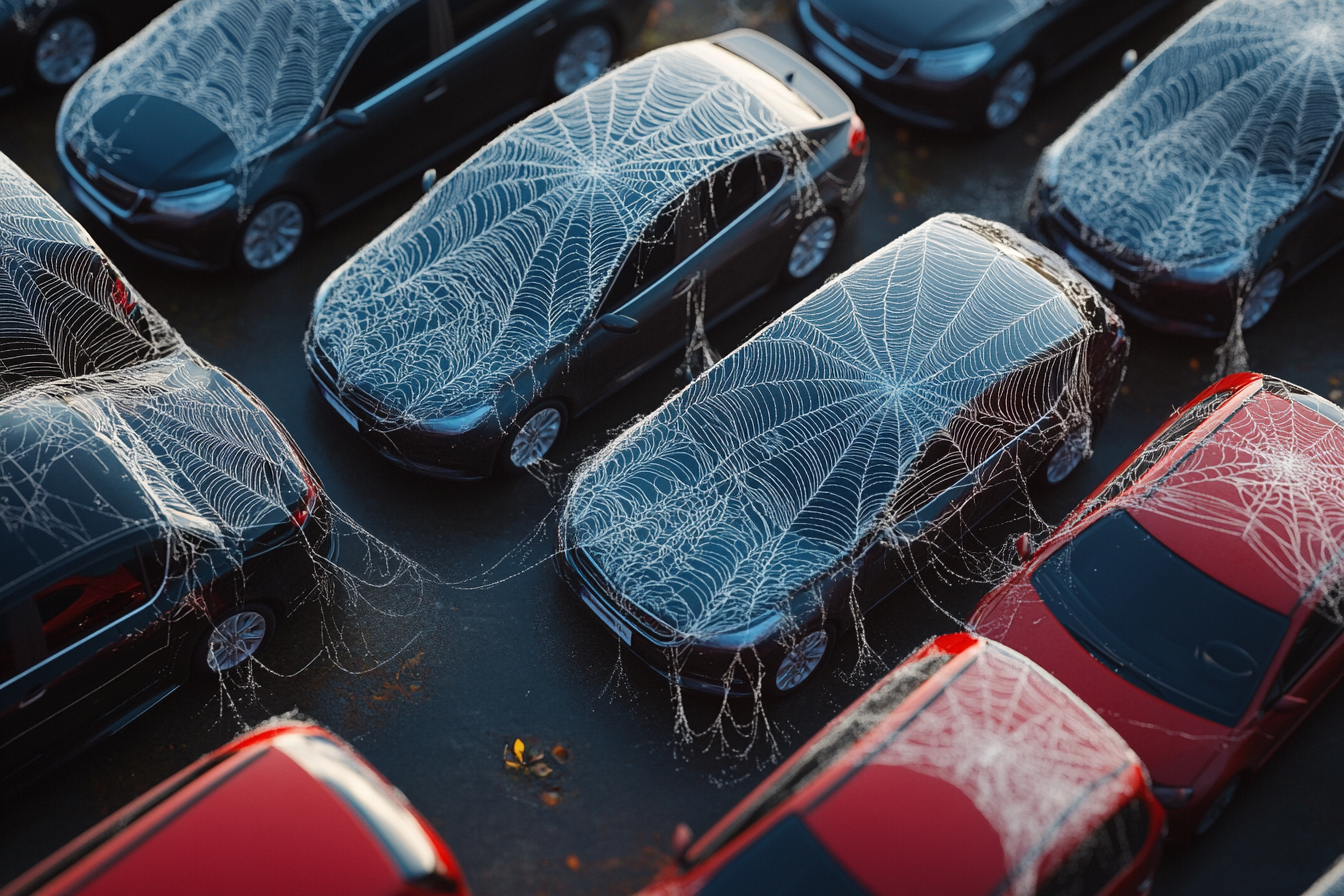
[(1218, 806), (1068, 454), (234, 638), (1011, 94), (64, 50), (1261, 297), (800, 660), (812, 245), (585, 54), (272, 234), (534, 435)]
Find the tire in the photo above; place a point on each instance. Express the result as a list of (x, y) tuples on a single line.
[(1219, 805), (1071, 451), (811, 246), (584, 54), (1011, 94), (800, 661), (533, 435), (232, 639), (1261, 296), (64, 50), (272, 234)]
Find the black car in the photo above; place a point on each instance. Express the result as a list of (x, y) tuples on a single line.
[(581, 247), (55, 41), (1211, 178), (228, 129), (727, 537), (154, 517), (962, 64)]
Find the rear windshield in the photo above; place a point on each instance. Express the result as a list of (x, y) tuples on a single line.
[(1159, 622)]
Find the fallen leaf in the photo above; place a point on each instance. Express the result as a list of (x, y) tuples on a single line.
[(540, 769), (518, 749), (516, 766), (1336, 394), (535, 757), (1194, 363), (560, 754), (550, 798), (573, 862)]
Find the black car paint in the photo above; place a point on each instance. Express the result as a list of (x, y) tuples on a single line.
[(460, 96)]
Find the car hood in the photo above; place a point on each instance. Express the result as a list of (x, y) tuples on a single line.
[(137, 153), (933, 26), (1174, 744), (506, 258), (1218, 134), (771, 468), (258, 71)]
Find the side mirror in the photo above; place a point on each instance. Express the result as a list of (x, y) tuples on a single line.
[(1288, 703), (618, 323), (427, 180), (682, 838), (1025, 546), (1128, 60), (349, 118)]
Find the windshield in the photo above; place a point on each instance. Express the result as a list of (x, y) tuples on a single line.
[(1158, 621)]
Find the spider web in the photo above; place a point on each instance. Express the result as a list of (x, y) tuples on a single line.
[(508, 255), (25, 14), (1221, 131), (1037, 762), (769, 470), (255, 69)]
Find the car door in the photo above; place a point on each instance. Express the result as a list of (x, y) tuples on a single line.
[(1312, 665), (492, 75), (388, 82), (749, 218), (1067, 36), (1316, 229), (655, 287), (81, 649)]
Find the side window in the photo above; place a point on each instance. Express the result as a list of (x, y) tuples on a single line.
[(734, 189), (1316, 634), (470, 16), (1106, 852), (397, 48), (664, 242), (77, 605)]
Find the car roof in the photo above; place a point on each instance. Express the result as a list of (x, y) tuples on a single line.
[(66, 311), (509, 254), (780, 460), (1219, 132), (1259, 504)]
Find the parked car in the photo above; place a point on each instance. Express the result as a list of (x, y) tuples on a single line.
[(1193, 599), (285, 808), (581, 247), (728, 536), (1211, 178), (966, 770), (228, 129), (154, 517), (55, 41), (963, 65)]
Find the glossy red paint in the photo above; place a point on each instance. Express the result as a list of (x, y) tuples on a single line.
[(1230, 498), (247, 818), (929, 794)]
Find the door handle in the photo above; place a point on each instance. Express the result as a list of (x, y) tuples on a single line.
[(436, 93), (784, 214), (33, 696)]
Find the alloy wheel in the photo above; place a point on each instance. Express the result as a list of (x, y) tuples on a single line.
[(585, 55), (65, 50), (1011, 94), (812, 247), (272, 235), (235, 639), (801, 661), (1068, 455), (535, 437)]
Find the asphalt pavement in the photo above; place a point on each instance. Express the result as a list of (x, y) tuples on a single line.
[(431, 691)]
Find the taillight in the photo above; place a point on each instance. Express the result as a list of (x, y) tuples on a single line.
[(305, 509), (858, 136)]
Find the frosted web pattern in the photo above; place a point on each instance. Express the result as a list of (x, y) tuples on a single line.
[(259, 71), (25, 14), (1222, 130), (1037, 762), (771, 468), (507, 257)]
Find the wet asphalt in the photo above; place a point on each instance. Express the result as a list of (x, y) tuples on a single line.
[(430, 685)]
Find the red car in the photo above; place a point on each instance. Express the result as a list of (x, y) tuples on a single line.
[(1193, 599), (966, 770), (286, 808)]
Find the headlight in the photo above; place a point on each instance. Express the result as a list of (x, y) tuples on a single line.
[(458, 423), (1215, 270), (188, 204), (953, 63)]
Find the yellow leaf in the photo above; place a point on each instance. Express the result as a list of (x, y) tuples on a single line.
[(518, 748), (513, 765)]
